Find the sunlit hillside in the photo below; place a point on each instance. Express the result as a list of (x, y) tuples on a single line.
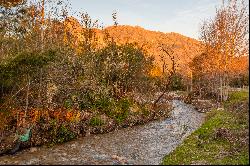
[(184, 48)]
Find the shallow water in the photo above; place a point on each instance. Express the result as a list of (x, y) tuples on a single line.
[(145, 144)]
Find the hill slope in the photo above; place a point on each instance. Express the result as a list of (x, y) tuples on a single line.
[(184, 48)]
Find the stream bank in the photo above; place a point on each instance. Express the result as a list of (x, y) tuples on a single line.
[(144, 144)]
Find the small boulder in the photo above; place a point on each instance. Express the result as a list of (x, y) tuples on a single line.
[(33, 149)]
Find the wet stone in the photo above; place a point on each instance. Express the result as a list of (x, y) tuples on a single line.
[(33, 149)]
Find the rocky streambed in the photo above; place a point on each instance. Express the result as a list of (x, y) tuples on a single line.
[(145, 144)]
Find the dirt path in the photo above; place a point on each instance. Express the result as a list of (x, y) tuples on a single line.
[(146, 144)]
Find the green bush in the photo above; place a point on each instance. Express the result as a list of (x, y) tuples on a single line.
[(104, 103), (177, 83), (59, 132), (145, 110), (24, 63), (96, 121), (242, 79), (25, 67), (124, 104), (68, 103), (114, 108), (120, 110), (121, 67), (64, 134), (87, 100)]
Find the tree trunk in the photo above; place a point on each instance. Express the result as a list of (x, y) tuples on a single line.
[(221, 90), (27, 98), (165, 90), (191, 87), (225, 87), (40, 89)]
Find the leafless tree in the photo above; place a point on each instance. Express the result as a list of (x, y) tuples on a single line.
[(169, 52)]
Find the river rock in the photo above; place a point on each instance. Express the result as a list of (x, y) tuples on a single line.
[(149, 142), (33, 149)]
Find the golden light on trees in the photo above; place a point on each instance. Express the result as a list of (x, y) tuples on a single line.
[(225, 37), (11, 3), (156, 71)]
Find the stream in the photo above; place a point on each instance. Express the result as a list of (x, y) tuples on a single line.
[(145, 144)]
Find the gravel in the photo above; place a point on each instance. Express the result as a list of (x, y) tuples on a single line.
[(145, 144)]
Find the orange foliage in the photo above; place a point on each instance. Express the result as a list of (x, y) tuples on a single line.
[(156, 71), (240, 65), (10, 3), (186, 48), (69, 116)]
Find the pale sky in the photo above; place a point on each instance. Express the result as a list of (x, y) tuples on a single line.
[(181, 16)]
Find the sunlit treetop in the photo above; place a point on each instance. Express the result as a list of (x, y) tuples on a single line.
[(11, 3)]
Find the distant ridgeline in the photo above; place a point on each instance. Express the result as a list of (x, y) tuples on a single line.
[(184, 48)]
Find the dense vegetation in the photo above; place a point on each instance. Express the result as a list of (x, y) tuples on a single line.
[(60, 87), (63, 77)]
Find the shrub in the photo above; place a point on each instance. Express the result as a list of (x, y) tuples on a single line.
[(96, 121), (145, 111), (59, 132), (177, 83), (64, 134)]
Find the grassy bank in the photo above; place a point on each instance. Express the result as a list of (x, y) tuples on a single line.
[(222, 139)]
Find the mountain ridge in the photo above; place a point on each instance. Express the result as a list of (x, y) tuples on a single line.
[(184, 48)]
